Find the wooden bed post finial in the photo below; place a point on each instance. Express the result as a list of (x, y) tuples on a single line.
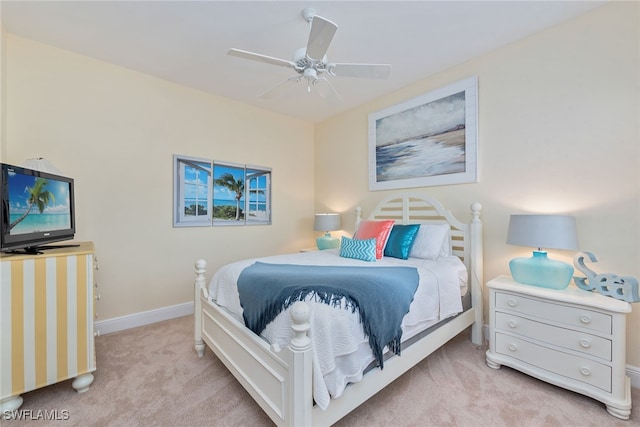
[(476, 207), (300, 314)]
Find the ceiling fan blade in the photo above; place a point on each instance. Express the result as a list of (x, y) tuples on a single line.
[(367, 71), (261, 58), (280, 88), (320, 36), (328, 92)]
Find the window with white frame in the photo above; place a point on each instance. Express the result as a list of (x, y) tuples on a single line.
[(192, 189), (220, 193)]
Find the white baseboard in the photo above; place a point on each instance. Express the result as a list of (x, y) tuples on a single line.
[(634, 375), (633, 372), (144, 318)]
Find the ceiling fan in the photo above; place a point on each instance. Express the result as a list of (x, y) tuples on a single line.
[(310, 62)]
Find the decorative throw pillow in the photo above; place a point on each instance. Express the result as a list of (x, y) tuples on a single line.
[(378, 230), (364, 250), (430, 241), (401, 240)]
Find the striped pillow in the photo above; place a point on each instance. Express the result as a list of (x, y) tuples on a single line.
[(364, 250)]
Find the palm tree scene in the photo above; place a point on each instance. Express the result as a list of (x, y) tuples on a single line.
[(234, 187), (240, 196), (32, 204)]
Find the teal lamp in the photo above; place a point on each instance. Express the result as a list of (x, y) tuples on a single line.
[(542, 231), (327, 222)]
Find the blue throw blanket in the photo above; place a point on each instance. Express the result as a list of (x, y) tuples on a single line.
[(381, 295)]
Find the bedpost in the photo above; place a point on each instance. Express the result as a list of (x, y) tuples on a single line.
[(477, 282), (358, 218), (200, 283), (299, 411)]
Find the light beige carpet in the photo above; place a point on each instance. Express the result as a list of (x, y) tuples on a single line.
[(152, 376)]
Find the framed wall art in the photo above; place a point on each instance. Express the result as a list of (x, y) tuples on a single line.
[(213, 193), (425, 141)]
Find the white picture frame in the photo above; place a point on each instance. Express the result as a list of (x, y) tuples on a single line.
[(428, 140)]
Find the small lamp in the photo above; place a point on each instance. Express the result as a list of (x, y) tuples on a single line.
[(327, 222), (41, 164), (542, 231)]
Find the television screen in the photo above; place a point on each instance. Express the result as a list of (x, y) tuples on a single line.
[(37, 208)]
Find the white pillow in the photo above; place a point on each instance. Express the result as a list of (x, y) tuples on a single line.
[(431, 242), (446, 242)]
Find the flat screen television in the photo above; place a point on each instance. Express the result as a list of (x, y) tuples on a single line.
[(37, 209)]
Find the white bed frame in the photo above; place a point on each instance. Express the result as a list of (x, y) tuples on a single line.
[(280, 379)]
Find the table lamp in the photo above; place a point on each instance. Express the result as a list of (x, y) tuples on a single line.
[(327, 222), (542, 231), (41, 164)]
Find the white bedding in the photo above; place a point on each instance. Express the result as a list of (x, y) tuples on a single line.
[(340, 350)]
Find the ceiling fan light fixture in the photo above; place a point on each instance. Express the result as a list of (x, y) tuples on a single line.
[(311, 61)]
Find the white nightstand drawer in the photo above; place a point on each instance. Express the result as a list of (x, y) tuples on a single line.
[(555, 312), (567, 365), (566, 338), (571, 338)]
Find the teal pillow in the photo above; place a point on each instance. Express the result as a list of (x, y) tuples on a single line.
[(401, 240), (364, 250)]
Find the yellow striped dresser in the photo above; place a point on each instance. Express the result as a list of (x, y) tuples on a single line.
[(46, 321)]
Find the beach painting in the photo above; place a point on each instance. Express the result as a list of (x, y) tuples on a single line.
[(428, 140)]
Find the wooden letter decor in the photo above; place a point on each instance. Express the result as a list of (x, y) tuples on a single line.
[(608, 284)]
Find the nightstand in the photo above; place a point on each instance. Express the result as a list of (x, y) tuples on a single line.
[(571, 338)]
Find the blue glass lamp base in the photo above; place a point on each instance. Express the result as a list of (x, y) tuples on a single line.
[(327, 242), (541, 271)]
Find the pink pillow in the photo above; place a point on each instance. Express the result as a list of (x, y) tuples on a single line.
[(378, 230)]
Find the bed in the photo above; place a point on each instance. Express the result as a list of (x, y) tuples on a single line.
[(285, 376)]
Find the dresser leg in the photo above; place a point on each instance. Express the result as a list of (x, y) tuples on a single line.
[(623, 414), (82, 382), (490, 363), (8, 405)]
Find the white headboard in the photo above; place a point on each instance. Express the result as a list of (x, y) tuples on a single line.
[(466, 237)]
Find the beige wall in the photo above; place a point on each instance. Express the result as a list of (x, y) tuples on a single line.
[(558, 133), (115, 131), (2, 88)]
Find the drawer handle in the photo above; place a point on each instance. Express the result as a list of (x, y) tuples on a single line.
[(513, 347), (512, 323), (585, 344), (585, 319), (512, 303), (585, 371)]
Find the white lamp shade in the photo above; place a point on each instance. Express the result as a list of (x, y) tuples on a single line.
[(41, 164), (543, 231), (327, 222)]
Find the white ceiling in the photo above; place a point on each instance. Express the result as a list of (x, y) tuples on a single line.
[(186, 41)]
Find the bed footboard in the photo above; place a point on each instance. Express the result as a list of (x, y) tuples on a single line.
[(278, 379)]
